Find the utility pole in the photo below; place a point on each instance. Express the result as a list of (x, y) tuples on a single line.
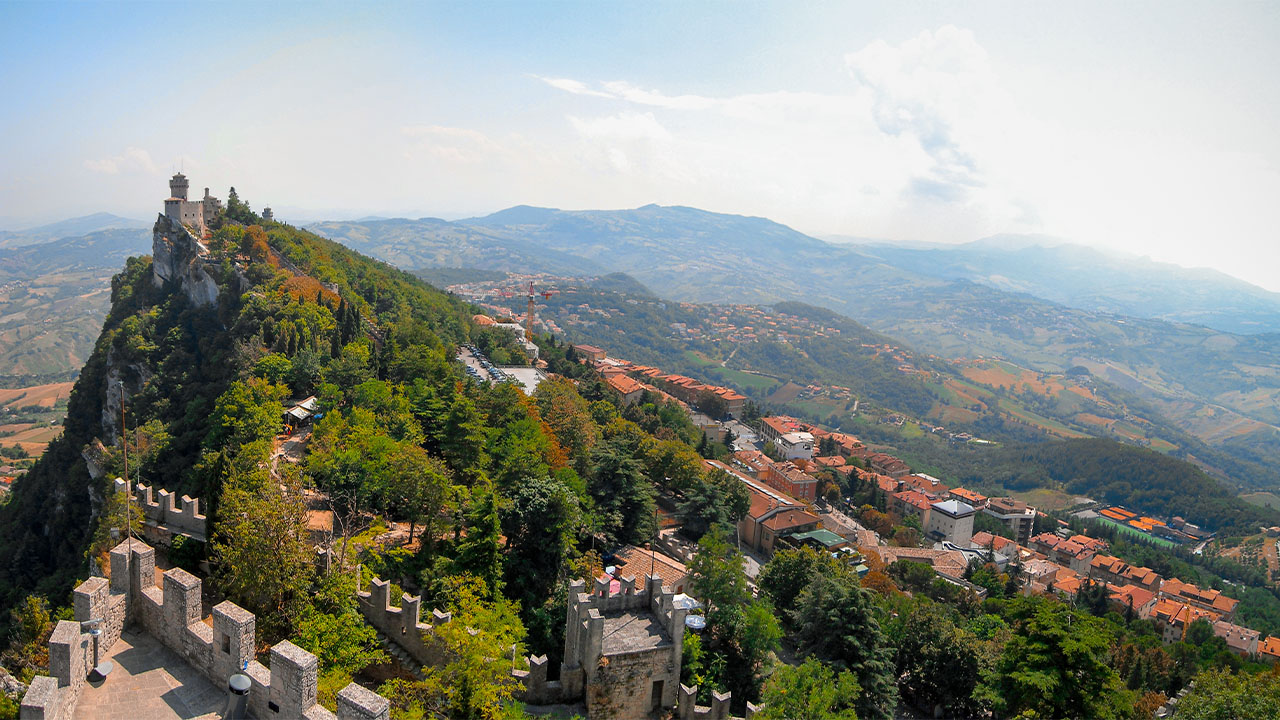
[(128, 484)]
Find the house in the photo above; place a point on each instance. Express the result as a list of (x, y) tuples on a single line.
[(1269, 649), (589, 353), (1240, 640), (1174, 617), (944, 562), (300, 414), (1063, 551), (969, 497), (772, 513), (1000, 546), (782, 476), (1118, 572), (794, 445), (950, 520), (912, 503), (630, 390), (642, 562), (1126, 597), (1019, 516), (1041, 575), (927, 484), (1211, 600)]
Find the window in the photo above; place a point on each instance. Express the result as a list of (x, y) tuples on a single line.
[(226, 644)]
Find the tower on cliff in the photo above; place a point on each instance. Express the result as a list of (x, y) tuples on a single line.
[(178, 186)]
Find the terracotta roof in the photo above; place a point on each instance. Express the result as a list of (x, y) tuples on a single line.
[(1131, 595), (790, 518), (915, 498), (1270, 647), (995, 542), (636, 563), (1219, 602), (624, 384), (1174, 612), (969, 496), (1238, 638), (949, 562)]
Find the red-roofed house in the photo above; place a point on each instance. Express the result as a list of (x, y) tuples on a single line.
[(1171, 617), (1269, 649), (977, 500), (912, 503), (631, 390), (771, 515), (590, 353), (1241, 640), (1063, 551), (1211, 600), (1131, 596)]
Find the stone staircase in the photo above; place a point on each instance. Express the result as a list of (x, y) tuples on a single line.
[(402, 658)]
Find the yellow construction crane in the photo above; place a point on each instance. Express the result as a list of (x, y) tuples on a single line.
[(528, 315)]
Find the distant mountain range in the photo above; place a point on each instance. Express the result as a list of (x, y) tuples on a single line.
[(1086, 278), (69, 228), (1222, 387)]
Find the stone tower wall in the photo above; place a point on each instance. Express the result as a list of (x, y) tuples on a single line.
[(172, 615)]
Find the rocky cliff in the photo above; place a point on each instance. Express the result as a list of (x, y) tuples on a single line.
[(178, 256)]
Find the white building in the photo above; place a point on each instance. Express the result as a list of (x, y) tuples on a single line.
[(951, 520), (796, 445)]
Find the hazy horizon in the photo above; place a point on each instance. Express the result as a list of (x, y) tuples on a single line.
[(1142, 128)]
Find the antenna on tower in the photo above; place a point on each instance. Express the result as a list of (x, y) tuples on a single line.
[(128, 484)]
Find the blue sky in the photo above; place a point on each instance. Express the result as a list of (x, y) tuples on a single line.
[(1145, 128)]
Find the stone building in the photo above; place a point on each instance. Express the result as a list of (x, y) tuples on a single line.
[(197, 214), (130, 604)]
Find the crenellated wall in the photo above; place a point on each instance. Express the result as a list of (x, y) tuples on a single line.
[(165, 513), (172, 615), (401, 624)]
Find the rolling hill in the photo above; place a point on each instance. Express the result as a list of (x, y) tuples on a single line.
[(1222, 387)]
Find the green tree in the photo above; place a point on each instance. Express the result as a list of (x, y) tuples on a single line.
[(623, 495), (741, 631), (475, 682), (812, 691), (938, 664), (260, 542), (248, 411), (1222, 695), (790, 571), (480, 551), (1056, 665), (836, 623)]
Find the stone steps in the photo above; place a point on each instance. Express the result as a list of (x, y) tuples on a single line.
[(402, 657)]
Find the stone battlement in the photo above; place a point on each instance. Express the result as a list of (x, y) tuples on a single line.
[(688, 709), (172, 614), (622, 651), (165, 513), (401, 624)]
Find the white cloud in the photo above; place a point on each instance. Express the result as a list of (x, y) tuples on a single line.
[(573, 86), (132, 160)]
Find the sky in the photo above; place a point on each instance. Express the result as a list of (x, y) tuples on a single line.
[(1146, 128)]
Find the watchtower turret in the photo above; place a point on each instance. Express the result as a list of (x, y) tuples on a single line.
[(178, 186)]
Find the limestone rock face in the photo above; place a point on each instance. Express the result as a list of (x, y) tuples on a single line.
[(11, 686), (177, 256)]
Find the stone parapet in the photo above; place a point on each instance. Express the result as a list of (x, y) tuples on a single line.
[(172, 615), (167, 512), (402, 624)]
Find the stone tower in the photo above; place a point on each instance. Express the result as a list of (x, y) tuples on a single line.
[(178, 186)]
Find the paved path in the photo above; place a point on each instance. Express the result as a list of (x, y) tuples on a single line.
[(149, 681)]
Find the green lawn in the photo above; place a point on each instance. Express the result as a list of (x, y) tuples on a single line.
[(1137, 533)]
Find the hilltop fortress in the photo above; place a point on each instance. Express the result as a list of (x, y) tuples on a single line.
[(197, 214)]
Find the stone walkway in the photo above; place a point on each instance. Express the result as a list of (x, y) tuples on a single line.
[(149, 681)]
